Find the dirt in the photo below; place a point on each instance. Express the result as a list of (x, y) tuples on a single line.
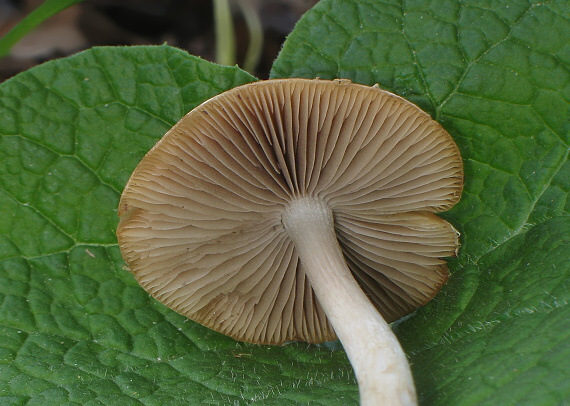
[(187, 24)]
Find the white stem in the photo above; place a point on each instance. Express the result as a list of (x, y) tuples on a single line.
[(380, 365)]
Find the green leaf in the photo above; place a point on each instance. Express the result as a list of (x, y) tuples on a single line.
[(497, 76), (75, 328), (44, 11)]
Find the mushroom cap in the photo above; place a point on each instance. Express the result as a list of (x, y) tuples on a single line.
[(200, 219)]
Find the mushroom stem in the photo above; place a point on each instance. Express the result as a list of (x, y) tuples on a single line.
[(380, 365)]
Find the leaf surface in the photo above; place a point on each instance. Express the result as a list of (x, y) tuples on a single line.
[(497, 77), (75, 328)]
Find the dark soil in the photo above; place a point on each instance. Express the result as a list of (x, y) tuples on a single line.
[(187, 24)]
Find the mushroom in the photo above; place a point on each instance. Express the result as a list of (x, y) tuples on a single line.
[(299, 210)]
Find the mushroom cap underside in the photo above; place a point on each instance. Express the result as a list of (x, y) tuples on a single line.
[(200, 219)]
